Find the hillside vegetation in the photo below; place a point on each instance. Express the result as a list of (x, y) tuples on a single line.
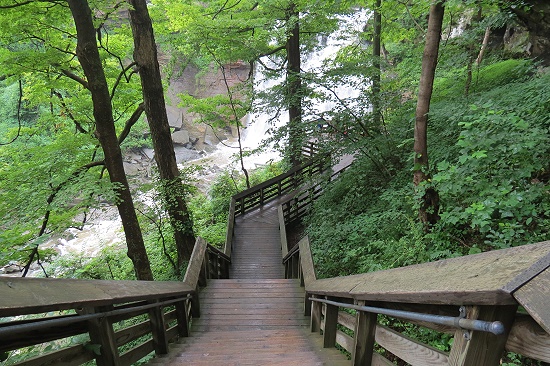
[(489, 155)]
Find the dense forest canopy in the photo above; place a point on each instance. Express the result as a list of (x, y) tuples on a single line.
[(482, 180)]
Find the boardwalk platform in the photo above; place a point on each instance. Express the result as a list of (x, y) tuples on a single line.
[(257, 316)]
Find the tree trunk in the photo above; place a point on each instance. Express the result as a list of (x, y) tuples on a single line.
[(88, 56), (430, 204), (294, 85), (145, 54), (376, 110), (483, 46)]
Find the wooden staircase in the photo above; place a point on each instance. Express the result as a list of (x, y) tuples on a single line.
[(252, 322), (257, 316)]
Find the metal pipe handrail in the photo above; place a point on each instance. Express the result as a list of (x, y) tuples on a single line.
[(71, 319), (459, 322)]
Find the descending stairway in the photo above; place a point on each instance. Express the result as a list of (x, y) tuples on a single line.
[(256, 317)]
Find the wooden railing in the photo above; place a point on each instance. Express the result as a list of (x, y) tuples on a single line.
[(310, 150), (157, 313), (488, 286), (297, 206), (271, 189), (275, 187)]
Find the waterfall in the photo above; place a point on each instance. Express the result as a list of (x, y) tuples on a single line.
[(260, 122)]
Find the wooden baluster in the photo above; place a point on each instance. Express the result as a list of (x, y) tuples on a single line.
[(195, 304), (475, 348), (102, 334), (158, 329), (287, 274), (225, 269), (220, 266), (331, 322), (316, 311), (307, 304), (300, 272), (261, 196), (365, 330), (183, 321)]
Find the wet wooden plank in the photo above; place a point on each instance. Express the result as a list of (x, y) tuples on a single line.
[(534, 298), (409, 350), (479, 279), (22, 296), (529, 339)]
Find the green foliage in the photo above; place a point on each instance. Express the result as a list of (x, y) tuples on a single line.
[(452, 84), (492, 187)]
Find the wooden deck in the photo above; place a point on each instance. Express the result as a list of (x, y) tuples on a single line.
[(256, 317)]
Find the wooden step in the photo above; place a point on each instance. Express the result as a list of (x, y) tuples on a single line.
[(261, 347)]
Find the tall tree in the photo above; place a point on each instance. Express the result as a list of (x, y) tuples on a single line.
[(429, 207), (145, 55), (294, 85), (89, 58), (377, 17), (273, 34)]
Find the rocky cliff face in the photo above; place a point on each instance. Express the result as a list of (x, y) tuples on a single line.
[(535, 16), (187, 130)]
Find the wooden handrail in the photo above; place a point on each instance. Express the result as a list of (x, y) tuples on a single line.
[(489, 284), (94, 306), (275, 187), (297, 206)]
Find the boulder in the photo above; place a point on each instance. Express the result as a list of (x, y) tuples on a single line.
[(180, 137)]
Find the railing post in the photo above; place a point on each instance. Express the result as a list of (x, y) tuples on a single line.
[(203, 273), (183, 321), (195, 305), (158, 329), (316, 311), (365, 330), (472, 348), (225, 269), (331, 322), (102, 334), (261, 196), (307, 305)]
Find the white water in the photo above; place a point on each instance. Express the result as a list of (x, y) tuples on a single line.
[(259, 123)]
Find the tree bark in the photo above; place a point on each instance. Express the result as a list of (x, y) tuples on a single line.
[(483, 46), (294, 86), (88, 56), (145, 55), (376, 110), (430, 203)]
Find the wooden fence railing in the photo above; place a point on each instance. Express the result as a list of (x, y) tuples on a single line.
[(297, 206), (488, 286), (156, 313), (275, 187), (271, 189)]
